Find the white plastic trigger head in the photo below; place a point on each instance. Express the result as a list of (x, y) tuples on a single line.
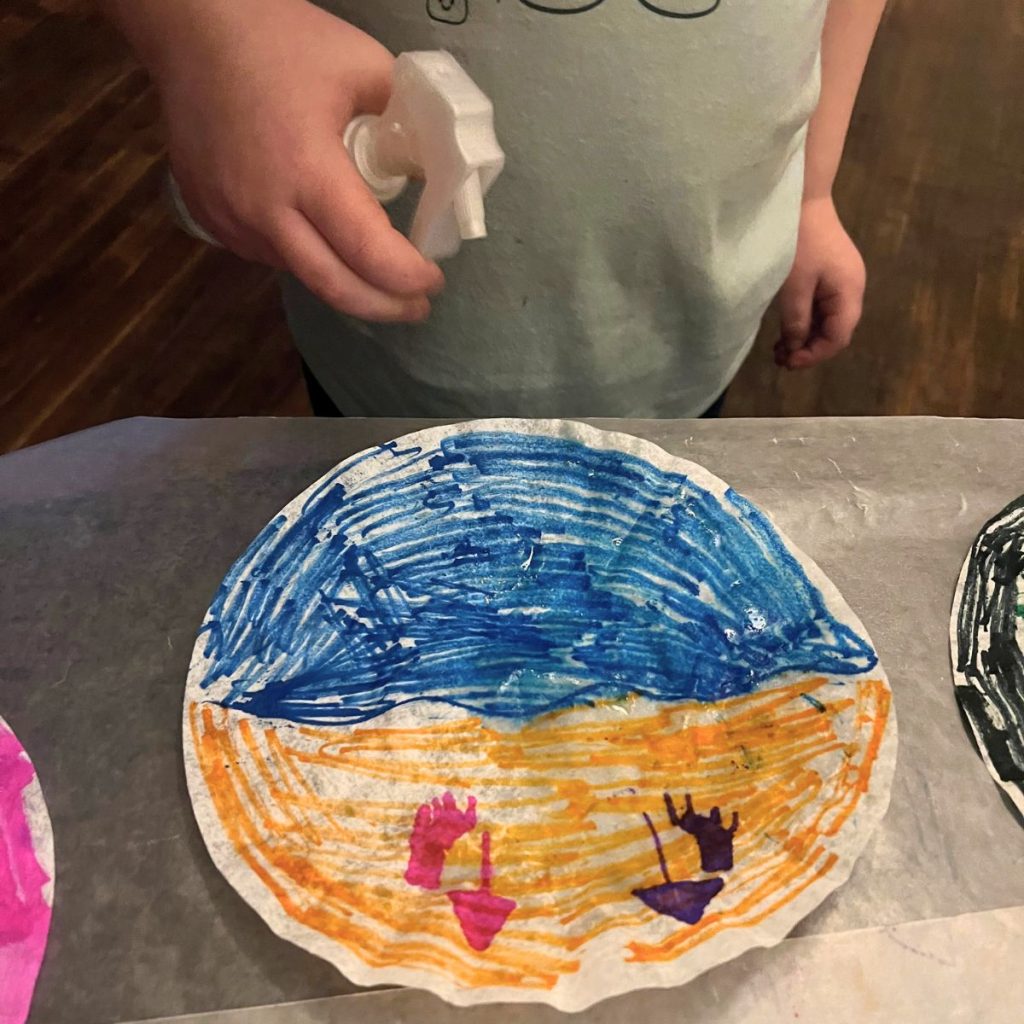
[(439, 127)]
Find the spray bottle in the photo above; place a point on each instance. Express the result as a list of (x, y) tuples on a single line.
[(438, 127)]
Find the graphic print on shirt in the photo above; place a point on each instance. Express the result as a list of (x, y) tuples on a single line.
[(448, 12), (456, 12)]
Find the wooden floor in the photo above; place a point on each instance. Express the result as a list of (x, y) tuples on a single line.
[(107, 310)]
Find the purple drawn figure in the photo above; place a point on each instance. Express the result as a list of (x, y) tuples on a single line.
[(715, 842), (481, 913), (685, 901), (436, 827)]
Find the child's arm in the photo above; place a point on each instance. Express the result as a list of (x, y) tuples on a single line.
[(820, 303), (256, 98)]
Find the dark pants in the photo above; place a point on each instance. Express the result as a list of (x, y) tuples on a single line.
[(323, 404)]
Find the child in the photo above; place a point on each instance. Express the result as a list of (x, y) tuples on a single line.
[(657, 189)]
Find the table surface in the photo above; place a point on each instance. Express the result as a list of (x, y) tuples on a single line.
[(113, 542)]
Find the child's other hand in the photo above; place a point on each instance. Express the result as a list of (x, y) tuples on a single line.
[(820, 303), (257, 97)]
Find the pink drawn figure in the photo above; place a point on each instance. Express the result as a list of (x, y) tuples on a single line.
[(434, 831), (24, 899), (481, 913)]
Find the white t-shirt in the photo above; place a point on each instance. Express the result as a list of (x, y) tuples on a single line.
[(646, 216)]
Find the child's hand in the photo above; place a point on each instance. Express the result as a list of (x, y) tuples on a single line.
[(257, 97), (820, 303)]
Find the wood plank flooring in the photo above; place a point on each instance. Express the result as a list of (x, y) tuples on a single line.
[(107, 310)]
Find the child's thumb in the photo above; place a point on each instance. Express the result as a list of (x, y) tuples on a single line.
[(372, 82)]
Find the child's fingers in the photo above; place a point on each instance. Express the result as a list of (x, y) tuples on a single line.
[(309, 257), (839, 316), (817, 350), (354, 224), (796, 308)]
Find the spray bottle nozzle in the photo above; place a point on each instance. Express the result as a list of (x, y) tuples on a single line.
[(439, 127)]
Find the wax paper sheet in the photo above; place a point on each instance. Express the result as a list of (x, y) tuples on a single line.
[(114, 541), (959, 970)]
